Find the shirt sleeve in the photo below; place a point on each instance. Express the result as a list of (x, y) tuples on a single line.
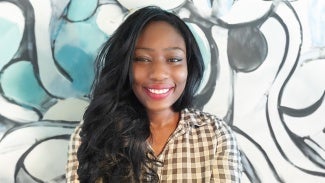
[(228, 167), (72, 162)]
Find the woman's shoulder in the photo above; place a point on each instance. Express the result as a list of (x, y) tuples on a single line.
[(207, 121), (78, 127), (75, 135), (201, 117)]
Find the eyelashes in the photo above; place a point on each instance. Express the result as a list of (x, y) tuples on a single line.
[(144, 59), (175, 59), (141, 59)]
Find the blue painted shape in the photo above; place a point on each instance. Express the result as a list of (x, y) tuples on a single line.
[(75, 50), (80, 10), (19, 83), (202, 43), (79, 66), (316, 20), (10, 37)]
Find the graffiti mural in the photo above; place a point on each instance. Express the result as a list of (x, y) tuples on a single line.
[(265, 63)]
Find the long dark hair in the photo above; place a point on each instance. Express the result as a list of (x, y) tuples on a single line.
[(116, 126)]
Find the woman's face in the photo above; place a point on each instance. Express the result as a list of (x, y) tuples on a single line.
[(159, 66)]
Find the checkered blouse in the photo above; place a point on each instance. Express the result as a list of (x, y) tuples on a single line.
[(202, 149)]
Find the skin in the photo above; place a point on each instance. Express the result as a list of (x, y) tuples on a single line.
[(159, 78)]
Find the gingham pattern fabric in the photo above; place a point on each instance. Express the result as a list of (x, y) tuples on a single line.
[(72, 162), (202, 149)]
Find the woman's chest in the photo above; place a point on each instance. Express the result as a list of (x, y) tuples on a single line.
[(187, 161)]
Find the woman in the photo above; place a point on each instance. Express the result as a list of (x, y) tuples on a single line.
[(139, 126)]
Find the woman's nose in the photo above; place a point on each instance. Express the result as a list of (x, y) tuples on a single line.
[(159, 70)]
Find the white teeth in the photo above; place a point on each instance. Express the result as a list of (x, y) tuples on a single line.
[(156, 91)]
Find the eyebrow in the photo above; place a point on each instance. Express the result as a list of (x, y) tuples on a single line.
[(166, 49)]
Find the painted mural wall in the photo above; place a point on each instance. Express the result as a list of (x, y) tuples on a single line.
[(265, 75)]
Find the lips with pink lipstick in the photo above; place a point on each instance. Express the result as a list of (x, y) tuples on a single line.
[(158, 93)]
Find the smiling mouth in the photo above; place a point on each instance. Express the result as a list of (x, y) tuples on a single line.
[(158, 91)]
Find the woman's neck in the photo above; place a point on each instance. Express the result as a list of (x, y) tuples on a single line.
[(160, 119), (162, 125)]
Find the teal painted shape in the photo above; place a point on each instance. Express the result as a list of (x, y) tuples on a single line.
[(75, 50), (18, 83), (80, 10), (10, 38), (202, 43), (79, 66)]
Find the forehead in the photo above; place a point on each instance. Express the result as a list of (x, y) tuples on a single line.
[(159, 23), (160, 33)]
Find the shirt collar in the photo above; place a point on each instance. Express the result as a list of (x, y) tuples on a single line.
[(191, 118)]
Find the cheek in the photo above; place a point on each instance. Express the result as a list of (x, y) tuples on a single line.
[(136, 80), (136, 86), (137, 74), (181, 76)]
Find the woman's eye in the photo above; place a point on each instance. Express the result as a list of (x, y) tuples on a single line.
[(141, 59), (175, 59)]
